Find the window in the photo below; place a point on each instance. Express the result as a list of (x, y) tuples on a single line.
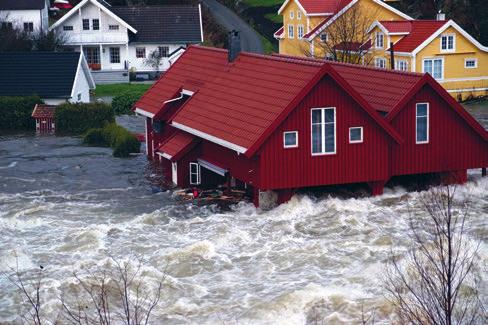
[(79, 97), (435, 67), (380, 40), (323, 37), (7, 25), (471, 63), (140, 52), (299, 15), (163, 51), (113, 27), (114, 55), (422, 123), (448, 43), (401, 65), (290, 139), (380, 63), (356, 134), (292, 14), (323, 131), (86, 24), (195, 174), (291, 31), (300, 31), (28, 27), (95, 24), (67, 28)]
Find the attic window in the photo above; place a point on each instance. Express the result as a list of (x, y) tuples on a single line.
[(299, 15), (67, 28), (292, 14), (356, 135), (380, 40), (86, 24), (96, 24), (448, 43), (290, 139), (113, 27)]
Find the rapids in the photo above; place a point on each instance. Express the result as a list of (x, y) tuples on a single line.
[(68, 207)]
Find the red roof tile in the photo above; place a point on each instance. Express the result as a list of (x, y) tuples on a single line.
[(314, 30), (323, 6), (279, 32), (43, 111), (353, 46), (177, 145), (418, 32)]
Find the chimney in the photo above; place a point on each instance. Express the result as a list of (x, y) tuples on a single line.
[(441, 15), (234, 45)]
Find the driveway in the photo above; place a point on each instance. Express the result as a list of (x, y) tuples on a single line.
[(250, 40)]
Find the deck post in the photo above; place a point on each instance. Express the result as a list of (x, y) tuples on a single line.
[(377, 187), (454, 177), (483, 172), (255, 196)]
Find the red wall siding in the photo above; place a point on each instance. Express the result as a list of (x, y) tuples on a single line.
[(293, 168), (453, 145)]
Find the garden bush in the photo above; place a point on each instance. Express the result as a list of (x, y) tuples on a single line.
[(79, 118), (15, 113), (122, 142), (122, 104)]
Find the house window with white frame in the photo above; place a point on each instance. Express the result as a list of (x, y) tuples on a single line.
[(435, 67), (299, 15), (140, 52), (163, 51), (300, 31), (28, 27), (401, 65), (422, 123), (195, 174), (323, 131), (68, 28), (324, 37), (471, 63), (86, 24), (380, 63), (291, 31), (115, 55), (356, 134), (113, 27), (292, 14), (95, 24), (290, 139), (380, 40), (448, 43)]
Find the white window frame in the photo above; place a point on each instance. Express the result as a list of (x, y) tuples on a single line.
[(399, 63), (362, 134), (292, 14), (475, 60), (377, 38), (300, 31), (68, 28), (428, 123), (292, 29), (448, 50), (322, 38), (143, 49), (323, 152), (434, 59), (379, 59), (284, 139), (198, 173), (299, 15)]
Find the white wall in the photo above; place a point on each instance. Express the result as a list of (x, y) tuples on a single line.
[(19, 17), (53, 101), (81, 87), (138, 63)]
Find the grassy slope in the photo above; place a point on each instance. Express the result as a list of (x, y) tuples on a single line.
[(117, 89)]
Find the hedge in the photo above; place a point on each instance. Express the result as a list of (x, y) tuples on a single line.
[(122, 104), (15, 113), (112, 135), (79, 118)]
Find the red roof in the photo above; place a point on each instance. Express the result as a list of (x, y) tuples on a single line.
[(43, 111), (314, 30), (353, 46), (323, 6), (177, 145), (279, 32), (418, 32)]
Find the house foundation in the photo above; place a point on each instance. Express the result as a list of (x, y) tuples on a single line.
[(377, 188)]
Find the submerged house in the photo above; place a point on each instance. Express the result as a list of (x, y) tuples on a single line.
[(278, 123)]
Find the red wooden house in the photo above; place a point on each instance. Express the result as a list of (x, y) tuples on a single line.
[(278, 123), (44, 116)]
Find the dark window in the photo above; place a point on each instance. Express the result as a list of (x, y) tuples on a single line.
[(7, 25), (86, 24), (422, 125), (355, 135), (95, 24), (28, 27), (67, 28), (163, 51), (113, 27), (114, 55), (140, 52)]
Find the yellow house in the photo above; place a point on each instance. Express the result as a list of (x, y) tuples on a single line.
[(316, 27), (442, 48)]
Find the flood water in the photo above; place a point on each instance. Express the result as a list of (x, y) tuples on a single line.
[(69, 207)]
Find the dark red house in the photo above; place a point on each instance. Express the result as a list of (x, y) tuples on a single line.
[(277, 123)]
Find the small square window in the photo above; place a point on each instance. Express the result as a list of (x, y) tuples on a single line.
[(323, 37), (140, 52), (290, 139), (67, 28), (356, 134), (86, 24), (113, 27), (96, 24), (471, 63), (163, 51), (28, 27)]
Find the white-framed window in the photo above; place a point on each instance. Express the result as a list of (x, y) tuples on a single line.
[(28, 27), (401, 65), (67, 28), (448, 43), (195, 174), (78, 97), (86, 24), (292, 14), (470, 63), (356, 134), (95, 24), (380, 40), (435, 67), (114, 55), (113, 27), (422, 123), (291, 31), (140, 52), (290, 139), (299, 15), (323, 127), (324, 37), (380, 63), (163, 51), (300, 31)]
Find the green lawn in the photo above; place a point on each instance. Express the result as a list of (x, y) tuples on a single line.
[(117, 89)]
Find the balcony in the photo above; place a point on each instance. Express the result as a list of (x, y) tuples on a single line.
[(95, 37)]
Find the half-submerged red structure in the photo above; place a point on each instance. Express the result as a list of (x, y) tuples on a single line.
[(44, 116), (278, 123)]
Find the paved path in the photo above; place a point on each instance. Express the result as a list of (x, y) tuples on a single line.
[(250, 40)]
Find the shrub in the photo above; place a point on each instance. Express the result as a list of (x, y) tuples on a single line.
[(79, 118), (122, 104), (15, 113), (112, 135)]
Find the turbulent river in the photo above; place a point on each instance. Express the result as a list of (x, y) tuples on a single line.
[(69, 207)]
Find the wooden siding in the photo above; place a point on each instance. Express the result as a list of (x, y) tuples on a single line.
[(453, 144), (293, 168)]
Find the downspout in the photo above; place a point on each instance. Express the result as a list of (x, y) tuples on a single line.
[(392, 56)]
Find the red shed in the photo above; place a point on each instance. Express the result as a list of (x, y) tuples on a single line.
[(279, 123), (44, 116)]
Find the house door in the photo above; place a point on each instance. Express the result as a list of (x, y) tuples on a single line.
[(92, 55)]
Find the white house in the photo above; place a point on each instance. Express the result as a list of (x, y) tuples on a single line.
[(27, 15), (117, 40), (56, 77)]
